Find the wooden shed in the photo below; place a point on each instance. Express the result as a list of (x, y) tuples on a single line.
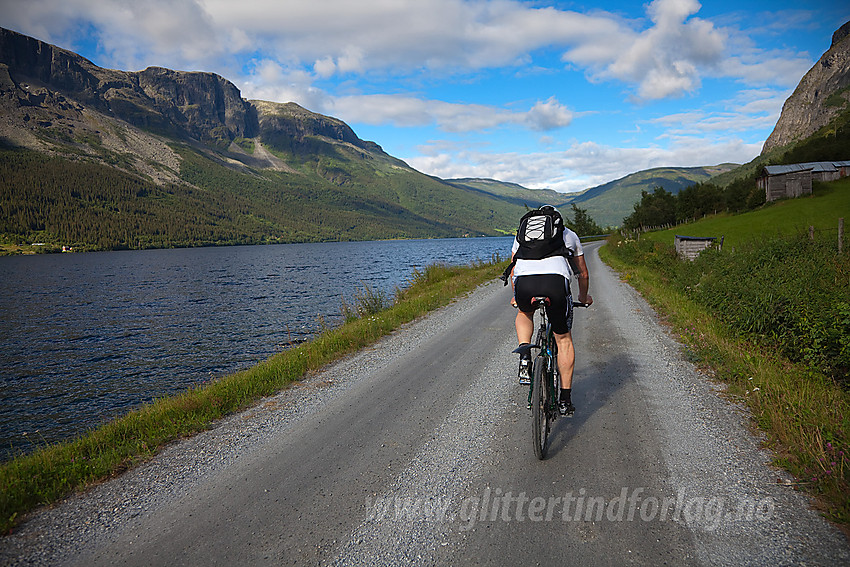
[(784, 181), (795, 180), (689, 247)]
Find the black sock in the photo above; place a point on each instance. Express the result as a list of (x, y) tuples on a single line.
[(566, 395)]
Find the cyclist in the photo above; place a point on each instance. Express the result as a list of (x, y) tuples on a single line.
[(550, 276)]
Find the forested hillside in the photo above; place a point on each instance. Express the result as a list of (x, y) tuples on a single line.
[(90, 206), (96, 159)]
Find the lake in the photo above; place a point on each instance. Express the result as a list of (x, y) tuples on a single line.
[(86, 337)]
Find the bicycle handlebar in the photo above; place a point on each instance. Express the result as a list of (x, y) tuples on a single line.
[(540, 302)]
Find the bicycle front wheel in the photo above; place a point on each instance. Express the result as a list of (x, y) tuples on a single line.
[(539, 402)]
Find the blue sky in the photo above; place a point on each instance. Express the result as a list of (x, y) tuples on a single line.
[(562, 95)]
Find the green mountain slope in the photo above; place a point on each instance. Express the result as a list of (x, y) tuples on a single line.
[(609, 203), (514, 193), (91, 206), (97, 159)]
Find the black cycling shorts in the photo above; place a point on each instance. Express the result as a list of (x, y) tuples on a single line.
[(554, 286)]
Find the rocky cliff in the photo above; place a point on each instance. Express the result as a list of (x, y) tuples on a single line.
[(286, 125), (49, 94), (822, 95), (97, 159), (203, 106)]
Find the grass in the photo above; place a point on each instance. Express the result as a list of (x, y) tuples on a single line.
[(52, 472), (802, 405), (828, 203), (367, 301)]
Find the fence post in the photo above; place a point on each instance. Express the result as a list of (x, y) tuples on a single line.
[(840, 234)]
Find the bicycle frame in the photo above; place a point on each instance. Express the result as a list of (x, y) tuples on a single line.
[(547, 355), (545, 388)]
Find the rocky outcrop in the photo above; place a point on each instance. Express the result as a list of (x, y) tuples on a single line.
[(206, 105), (203, 106), (822, 94), (200, 106), (840, 34), (288, 127)]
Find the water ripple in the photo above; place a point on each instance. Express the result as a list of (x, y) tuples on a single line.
[(85, 337)]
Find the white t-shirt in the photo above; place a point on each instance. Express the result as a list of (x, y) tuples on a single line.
[(551, 265)]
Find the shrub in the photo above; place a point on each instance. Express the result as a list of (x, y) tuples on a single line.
[(788, 293), (367, 301)]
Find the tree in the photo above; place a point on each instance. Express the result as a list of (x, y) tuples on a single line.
[(654, 209), (698, 200), (583, 225)]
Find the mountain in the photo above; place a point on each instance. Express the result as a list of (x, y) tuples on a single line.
[(821, 96), (98, 158), (610, 202), (607, 204), (513, 192), (814, 126), (815, 121)]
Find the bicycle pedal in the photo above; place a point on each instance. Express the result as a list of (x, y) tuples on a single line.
[(566, 410)]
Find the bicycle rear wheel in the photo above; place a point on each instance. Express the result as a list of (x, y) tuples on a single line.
[(539, 410)]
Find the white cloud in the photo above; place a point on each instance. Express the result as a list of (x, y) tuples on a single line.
[(579, 167), (407, 111), (748, 111), (785, 69), (325, 67), (548, 115), (400, 110), (752, 101), (339, 37), (666, 59)]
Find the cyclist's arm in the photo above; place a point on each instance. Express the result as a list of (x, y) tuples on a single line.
[(511, 279), (514, 249), (583, 278)]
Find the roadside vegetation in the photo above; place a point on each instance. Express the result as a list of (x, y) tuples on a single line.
[(53, 472), (770, 317), (828, 203)]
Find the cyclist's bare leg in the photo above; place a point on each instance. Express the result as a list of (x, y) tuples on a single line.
[(524, 326), (566, 358)]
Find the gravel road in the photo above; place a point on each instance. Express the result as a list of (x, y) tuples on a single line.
[(418, 450)]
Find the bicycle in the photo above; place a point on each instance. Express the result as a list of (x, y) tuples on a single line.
[(545, 378)]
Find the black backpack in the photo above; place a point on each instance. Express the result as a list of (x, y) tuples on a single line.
[(540, 235)]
